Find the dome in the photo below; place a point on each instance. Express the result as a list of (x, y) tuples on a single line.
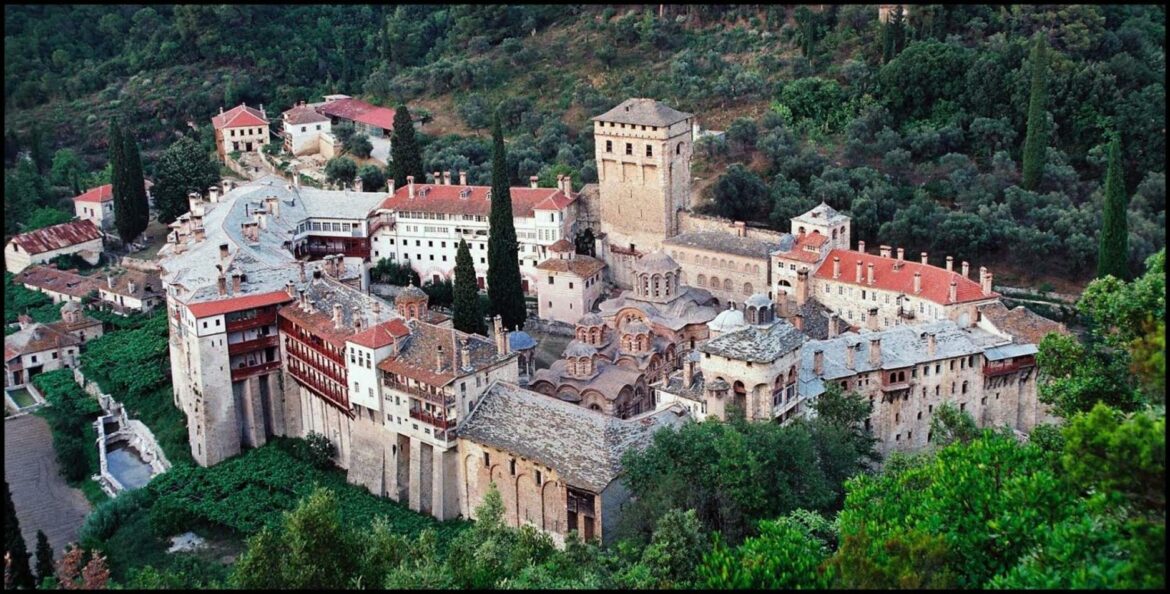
[(411, 293), (561, 245), (577, 348), (520, 341), (71, 306), (636, 327), (656, 262), (758, 300), (727, 320), (590, 319)]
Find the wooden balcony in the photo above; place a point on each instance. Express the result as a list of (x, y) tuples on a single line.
[(333, 394), (304, 356), (240, 373), (266, 318), (292, 342), (895, 387), (235, 348), (432, 420), (994, 369), (432, 397)]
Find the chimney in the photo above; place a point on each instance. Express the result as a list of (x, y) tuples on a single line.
[(463, 178), (901, 253), (836, 267), (861, 246), (376, 309), (688, 372), (303, 301), (501, 336), (193, 202), (235, 282), (390, 186), (782, 303), (221, 110), (819, 362), (849, 348), (221, 283), (931, 344), (740, 229), (439, 359), (274, 207), (109, 281), (532, 180), (917, 282), (223, 252), (858, 275), (869, 274), (872, 319), (410, 186), (801, 287), (832, 325), (885, 251), (359, 319), (953, 293), (875, 352), (438, 177), (924, 258), (966, 269), (950, 263), (263, 114), (337, 321), (296, 177), (465, 354), (290, 289), (798, 321), (200, 234), (987, 284), (130, 286)]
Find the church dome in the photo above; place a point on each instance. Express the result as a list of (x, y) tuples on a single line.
[(636, 327), (758, 300), (590, 319), (727, 320), (520, 341), (411, 293), (656, 262), (577, 348)]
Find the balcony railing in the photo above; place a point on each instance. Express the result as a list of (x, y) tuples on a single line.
[(433, 398), (240, 373), (305, 356), (896, 387), (430, 419), (1014, 366), (331, 393), (263, 319), (291, 339), (235, 348)]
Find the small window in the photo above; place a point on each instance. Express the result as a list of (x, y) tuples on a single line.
[(539, 478), (512, 467), (609, 146), (649, 151), (629, 148), (550, 280)]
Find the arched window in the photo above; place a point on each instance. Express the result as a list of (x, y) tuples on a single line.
[(964, 387), (678, 149), (747, 288), (727, 284), (834, 234), (893, 377), (715, 282), (702, 280)]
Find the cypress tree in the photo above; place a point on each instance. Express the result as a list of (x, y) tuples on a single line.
[(124, 216), (503, 276), (135, 185), (20, 572), (1113, 252), (1036, 140), (466, 302), (405, 155), (45, 567)]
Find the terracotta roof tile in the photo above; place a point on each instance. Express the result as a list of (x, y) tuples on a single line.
[(473, 200), (238, 116), (580, 265), (382, 334), (57, 237), (103, 193), (223, 306), (360, 111), (935, 281), (57, 281), (1021, 322), (420, 356), (303, 114)]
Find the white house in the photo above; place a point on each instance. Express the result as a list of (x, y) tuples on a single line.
[(75, 237)]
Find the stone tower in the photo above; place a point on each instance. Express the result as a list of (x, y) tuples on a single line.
[(643, 153)]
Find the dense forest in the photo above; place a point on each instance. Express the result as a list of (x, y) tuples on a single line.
[(916, 127)]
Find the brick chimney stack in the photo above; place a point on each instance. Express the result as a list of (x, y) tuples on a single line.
[(832, 325), (901, 253), (501, 336), (337, 319), (798, 321), (953, 291), (358, 319), (221, 284), (849, 354), (439, 359), (290, 289), (446, 178), (301, 270), (688, 372), (986, 284), (438, 177), (390, 186), (303, 301), (740, 229), (235, 282), (875, 352), (465, 354), (223, 252), (819, 362), (836, 267), (801, 287), (109, 281), (931, 344), (532, 179), (885, 251), (872, 319)]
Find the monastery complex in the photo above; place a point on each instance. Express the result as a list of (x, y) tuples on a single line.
[(675, 317)]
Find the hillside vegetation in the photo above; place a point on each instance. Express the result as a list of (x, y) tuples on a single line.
[(916, 128)]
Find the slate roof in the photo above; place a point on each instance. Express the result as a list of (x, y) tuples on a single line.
[(34, 339), (419, 355), (822, 214), (757, 344), (57, 281), (303, 114), (691, 306), (519, 340), (728, 243), (656, 262), (143, 280), (580, 265), (1022, 323), (239, 116), (935, 281), (584, 447), (644, 112), (57, 237), (473, 200)]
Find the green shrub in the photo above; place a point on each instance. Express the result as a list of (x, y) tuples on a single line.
[(105, 519)]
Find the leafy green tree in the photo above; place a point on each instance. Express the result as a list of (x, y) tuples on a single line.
[(46, 217), (950, 425), (475, 112), (341, 170), (503, 275), (343, 131), (741, 195), (68, 170), (1113, 252), (467, 317), (1036, 140), (45, 566), (785, 555), (405, 154), (676, 549), (184, 167), (358, 145), (373, 178), (391, 272)]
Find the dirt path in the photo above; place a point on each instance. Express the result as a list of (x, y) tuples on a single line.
[(42, 498)]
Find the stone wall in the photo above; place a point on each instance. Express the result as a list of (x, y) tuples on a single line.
[(689, 221)]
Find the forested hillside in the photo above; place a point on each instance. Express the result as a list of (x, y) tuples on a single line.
[(917, 128)]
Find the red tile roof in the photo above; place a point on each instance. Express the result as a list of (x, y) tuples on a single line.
[(320, 324), (238, 116), (103, 193), (582, 266), (381, 335), (360, 111), (800, 249), (936, 281), (447, 199), (57, 281), (561, 245), (303, 114), (223, 306), (57, 237)]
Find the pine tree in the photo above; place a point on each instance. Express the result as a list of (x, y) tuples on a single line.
[(135, 185), (124, 217), (1036, 140), (467, 315), (503, 276), (1112, 254), (19, 572), (45, 566), (405, 155)]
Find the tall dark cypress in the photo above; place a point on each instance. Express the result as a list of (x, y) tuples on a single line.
[(405, 155), (124, 217), (45, 566), (503, 276), (135, 185), (467, 316), (1036, 140), (1113, 251), (14, 545)]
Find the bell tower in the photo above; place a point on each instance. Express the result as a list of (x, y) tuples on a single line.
[(643, 156)]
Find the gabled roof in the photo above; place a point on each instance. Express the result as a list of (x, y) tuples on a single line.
[(759, 345), (359, 111), (104, 193), (58, 281), (644, 112), (428, 354), (581, 265), (57, 237), (1021, 323), (723, 242), (473, 200), (223, 306), (935, 281), (238, 116), (34, 339), (146, 284), (303, 114), (382, 334)]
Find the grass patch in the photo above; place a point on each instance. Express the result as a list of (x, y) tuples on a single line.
[(22, 398)]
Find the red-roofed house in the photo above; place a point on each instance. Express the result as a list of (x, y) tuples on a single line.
[(35, 247), (303, 127), (430, 219), (241, 129), (368, 119), (97, 204)]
